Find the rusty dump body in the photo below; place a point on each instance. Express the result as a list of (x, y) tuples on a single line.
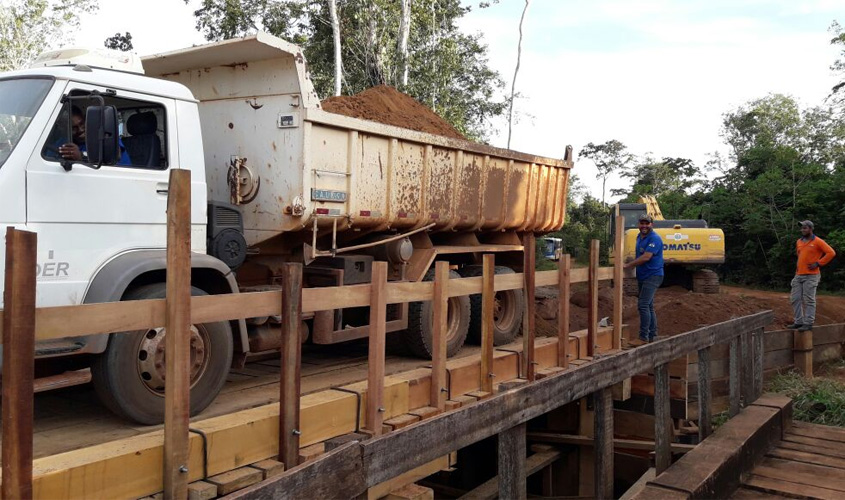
[(270, 148)]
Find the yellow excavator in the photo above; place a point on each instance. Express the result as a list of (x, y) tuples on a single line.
[(690, 247)]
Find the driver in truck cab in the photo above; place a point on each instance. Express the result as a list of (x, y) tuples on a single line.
[(75, 151)]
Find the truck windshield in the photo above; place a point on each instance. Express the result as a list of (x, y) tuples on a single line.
[(19, 101)]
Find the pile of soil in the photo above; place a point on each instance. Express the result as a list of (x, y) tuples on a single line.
[(385, 104), (680, 310)]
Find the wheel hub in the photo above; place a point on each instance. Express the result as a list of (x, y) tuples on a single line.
[(151, 357)]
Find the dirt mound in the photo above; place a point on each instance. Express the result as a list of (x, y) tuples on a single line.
[(387, 105)]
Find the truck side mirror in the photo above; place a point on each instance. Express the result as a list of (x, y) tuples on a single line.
[(101, 135)]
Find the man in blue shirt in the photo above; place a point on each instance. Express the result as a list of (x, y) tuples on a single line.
[(649, 264)]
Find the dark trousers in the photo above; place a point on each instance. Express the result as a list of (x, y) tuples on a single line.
[(648, 319)]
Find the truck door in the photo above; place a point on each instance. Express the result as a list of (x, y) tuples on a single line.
[(84, 217)]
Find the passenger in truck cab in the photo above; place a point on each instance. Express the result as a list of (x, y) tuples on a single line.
[(75, 150)]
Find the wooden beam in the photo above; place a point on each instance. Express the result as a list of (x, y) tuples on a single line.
[(618, 278), (593, 306), (439, 387), (489, 490), (291, 362), (803, 352), (618, 443), (488, 299), (705, 401), (564, 271), (603, 454), (375, 367), (512, 463), (758, 345), (18, 362), (177, 390), (662, 419), (529, 265), (747, 369), (734, 381)]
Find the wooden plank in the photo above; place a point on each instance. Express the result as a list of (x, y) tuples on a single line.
[(799, 472), (618, 254), (488, 299), (734, 371), (640, 485), (757, 341), (705, 415), (808, 448), (512, 452), (786, 488), (439, 387), (380, 490), (662, 420), (201, 490), (529, 266), (291, 362), (269, 468), (235, 480), (564, 272), (603, 453), (807, 457), (18, 362), (177, 390), (624, 444), (819, 443), (375, 366), (593, 306), (817, 431), (747, 369)]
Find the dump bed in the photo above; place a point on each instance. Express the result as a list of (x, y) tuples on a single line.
[(270, 147)]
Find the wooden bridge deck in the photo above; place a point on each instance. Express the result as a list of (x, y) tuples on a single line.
[(809, 462)]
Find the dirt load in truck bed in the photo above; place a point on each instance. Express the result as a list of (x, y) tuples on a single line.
[(387, 105)]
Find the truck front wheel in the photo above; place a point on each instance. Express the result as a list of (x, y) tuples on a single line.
[(508, 308), (129, 375), (421, 323)]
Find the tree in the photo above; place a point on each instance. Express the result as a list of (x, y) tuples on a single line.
[(838, 65), (120, 42), (338, 57), (404, 35), (30, 27), (516, 72), (608, 157)]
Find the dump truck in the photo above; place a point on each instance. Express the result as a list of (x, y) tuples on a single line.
[(275, 179), (690, 247)]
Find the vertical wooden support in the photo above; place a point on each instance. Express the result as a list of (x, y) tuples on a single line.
[(802, 352), (747, 363), (663, 426), (488, 301), (512, 463), (618, 277), (528, 269), (375, 367), (603, 435), (291, 354), (734, 374), (439, 391), (593, 306), (757, 341), (564, 280), (705, 416), (177, 390), (18, 362)]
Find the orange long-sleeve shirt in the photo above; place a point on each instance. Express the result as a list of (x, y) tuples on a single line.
[(810, 251)]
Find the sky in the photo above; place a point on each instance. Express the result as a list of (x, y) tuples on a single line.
[(655, 74)]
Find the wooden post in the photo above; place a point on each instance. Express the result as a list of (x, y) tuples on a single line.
[(439, 391), (291, 354), (757, 341), (593, 306), (747, 364), (663, 426), (512, 463), (802, 352), (564, 280), (603, 435), (177, 390), (529, 253), (375, 367), (488, 300), (705, 417), (734, 374), (618, 278), (18, 362)]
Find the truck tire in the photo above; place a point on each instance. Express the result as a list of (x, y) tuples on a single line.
[(418, 335), (129, 376), (509, 306)]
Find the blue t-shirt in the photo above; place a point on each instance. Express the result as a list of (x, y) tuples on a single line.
[(653, 244)]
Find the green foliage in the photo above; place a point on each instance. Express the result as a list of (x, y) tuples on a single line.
[(29, 27), (608, 157), (817, 400), (838, 65), (448, 70)]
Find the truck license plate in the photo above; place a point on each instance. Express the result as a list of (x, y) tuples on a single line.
[(328, 195)]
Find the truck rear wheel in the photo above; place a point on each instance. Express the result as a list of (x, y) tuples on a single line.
[(418, 335), (129, 375), (508, 308)]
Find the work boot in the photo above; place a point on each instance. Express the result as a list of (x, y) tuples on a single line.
[(804, 328), (794, 326)]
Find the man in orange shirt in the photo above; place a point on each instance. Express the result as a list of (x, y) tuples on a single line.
[(813, 253)]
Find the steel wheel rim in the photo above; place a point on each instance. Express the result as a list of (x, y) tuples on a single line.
[(150, 358)]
